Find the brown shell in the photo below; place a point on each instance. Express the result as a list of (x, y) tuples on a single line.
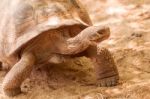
[(23, 20)]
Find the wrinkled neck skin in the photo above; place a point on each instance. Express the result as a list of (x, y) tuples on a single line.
[(53, 45)]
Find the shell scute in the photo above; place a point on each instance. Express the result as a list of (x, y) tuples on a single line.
[(23, 20)]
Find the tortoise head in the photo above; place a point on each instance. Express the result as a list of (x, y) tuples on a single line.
[(99, 34)]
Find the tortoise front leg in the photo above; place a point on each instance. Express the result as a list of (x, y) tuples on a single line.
[(105, 67), (19, 72)]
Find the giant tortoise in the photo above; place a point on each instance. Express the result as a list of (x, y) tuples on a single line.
[(33, 32)]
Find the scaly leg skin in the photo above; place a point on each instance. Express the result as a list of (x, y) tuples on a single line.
[(19, 72), (105, 68)]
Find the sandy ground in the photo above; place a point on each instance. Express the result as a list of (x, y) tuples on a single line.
[(129, 44)]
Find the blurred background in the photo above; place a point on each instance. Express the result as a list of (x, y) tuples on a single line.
[(129, 43)]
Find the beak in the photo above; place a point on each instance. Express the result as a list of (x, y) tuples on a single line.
[(102, 34)]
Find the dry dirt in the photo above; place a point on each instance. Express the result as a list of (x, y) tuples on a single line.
[(129, 44)]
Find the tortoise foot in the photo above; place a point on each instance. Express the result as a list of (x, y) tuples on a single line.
[(12, 92)]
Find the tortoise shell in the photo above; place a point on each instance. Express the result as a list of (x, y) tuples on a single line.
[(23, 20)]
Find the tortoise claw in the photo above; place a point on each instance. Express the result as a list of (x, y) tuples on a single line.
[(108, 82)]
